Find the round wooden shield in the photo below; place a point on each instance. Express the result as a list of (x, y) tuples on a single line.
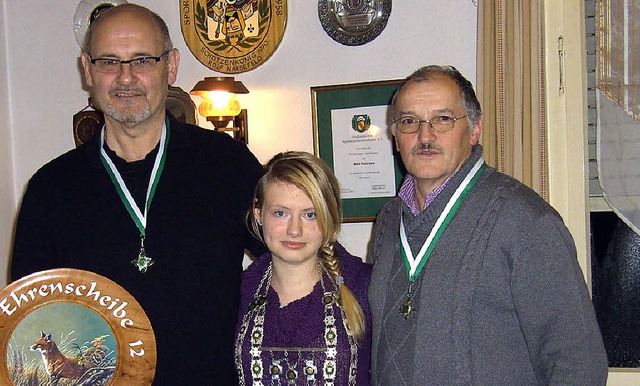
[(233, 36), (73, 327)]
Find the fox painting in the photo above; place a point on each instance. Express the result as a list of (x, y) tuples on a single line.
[(56, 363)]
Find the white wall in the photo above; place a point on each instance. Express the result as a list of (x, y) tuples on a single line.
[(45, 87), (7, 194)]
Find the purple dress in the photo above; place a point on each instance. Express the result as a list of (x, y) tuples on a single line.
[(301, 324)]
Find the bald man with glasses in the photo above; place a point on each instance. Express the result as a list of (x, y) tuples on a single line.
[(151, 203)]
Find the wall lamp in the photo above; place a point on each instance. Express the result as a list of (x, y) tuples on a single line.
[(220, 106)]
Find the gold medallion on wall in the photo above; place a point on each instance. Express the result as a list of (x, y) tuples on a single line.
[(233, 36)]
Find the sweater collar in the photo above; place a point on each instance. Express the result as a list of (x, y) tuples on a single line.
[(178, 139), (407, 191)]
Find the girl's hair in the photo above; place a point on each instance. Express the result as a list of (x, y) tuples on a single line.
[(313, 177)]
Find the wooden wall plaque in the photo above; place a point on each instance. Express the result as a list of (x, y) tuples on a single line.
[(233, 36), (72, 327)]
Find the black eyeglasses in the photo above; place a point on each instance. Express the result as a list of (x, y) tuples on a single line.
[(137, 65), (437, 124)]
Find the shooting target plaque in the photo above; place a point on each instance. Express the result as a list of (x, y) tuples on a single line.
[(233, 36), (74, 327)]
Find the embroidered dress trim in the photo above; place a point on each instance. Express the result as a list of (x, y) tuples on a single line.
[(289, 365)]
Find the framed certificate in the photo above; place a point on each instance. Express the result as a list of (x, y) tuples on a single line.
[(351, 134)]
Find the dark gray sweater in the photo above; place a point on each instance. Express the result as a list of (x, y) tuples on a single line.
[(501, 300)]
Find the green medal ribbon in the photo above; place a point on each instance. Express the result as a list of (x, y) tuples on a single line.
[(413, 265), (142, 262)]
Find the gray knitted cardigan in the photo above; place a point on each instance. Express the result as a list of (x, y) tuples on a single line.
[(501, 300)]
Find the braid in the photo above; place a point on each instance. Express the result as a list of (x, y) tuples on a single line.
[(352, 310), (330, 260), (316, 179)]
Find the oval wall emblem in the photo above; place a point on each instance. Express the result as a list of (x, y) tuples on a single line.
[(233, 36)]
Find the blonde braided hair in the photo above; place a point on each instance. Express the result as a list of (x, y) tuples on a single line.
[(352, 310), (312, 176)]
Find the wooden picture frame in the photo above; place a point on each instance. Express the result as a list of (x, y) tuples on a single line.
[(368, 170)]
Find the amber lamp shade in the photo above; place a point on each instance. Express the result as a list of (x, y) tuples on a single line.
[(220, 106)]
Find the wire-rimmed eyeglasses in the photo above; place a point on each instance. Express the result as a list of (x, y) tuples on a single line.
[(437, 124), (137, 65)]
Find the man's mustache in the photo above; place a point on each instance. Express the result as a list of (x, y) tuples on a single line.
[(427, 148), (134, 90)]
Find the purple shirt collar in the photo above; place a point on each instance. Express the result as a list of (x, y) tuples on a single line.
[(407, 193)]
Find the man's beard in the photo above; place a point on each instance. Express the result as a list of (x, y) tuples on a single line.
[(127, 116)]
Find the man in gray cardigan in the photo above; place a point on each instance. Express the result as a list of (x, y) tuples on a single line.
[(475, 278)]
